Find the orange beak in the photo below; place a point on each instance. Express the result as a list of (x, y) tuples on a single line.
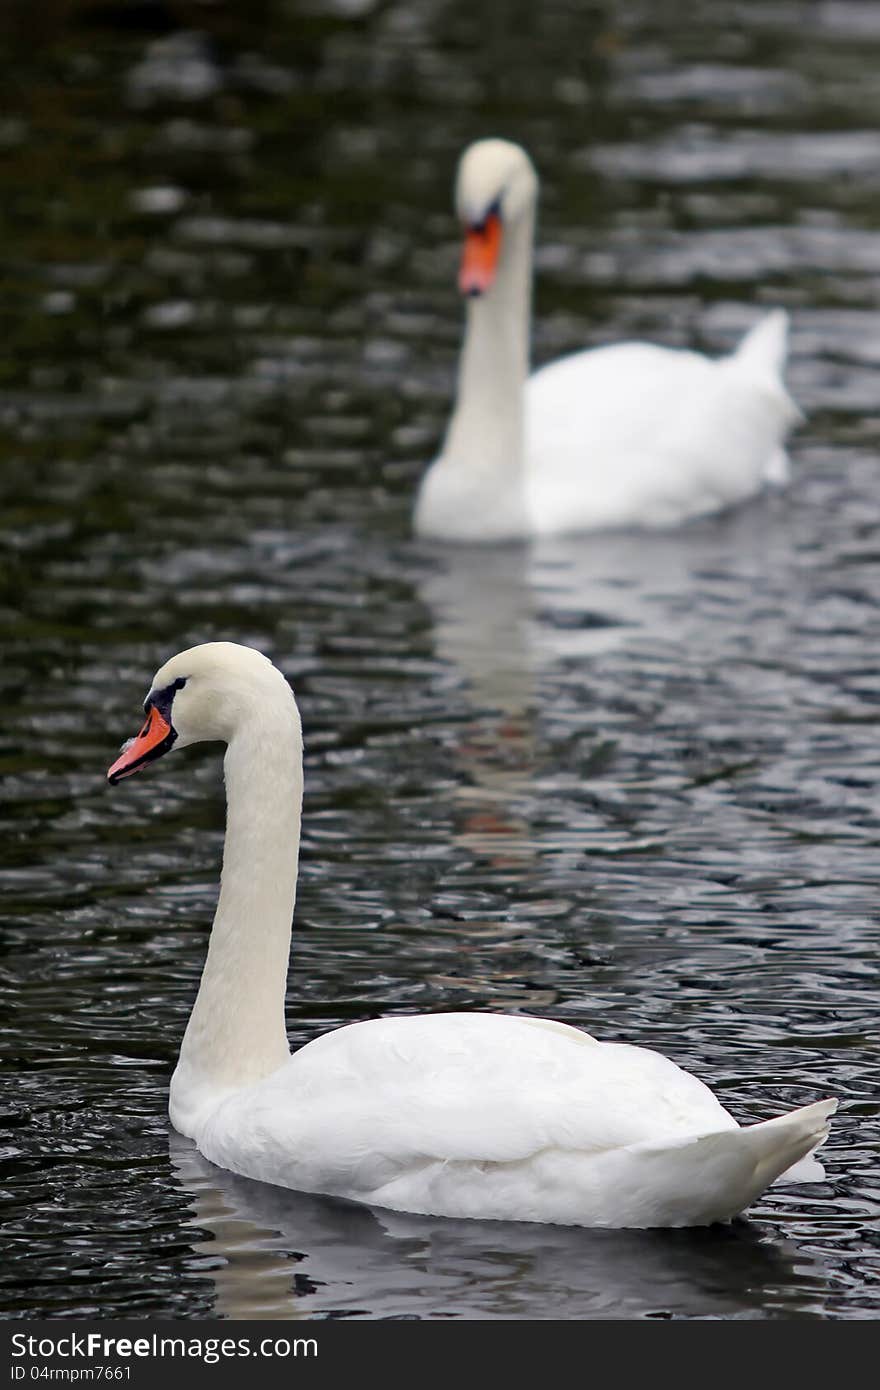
[(479, 261), (154, 739)]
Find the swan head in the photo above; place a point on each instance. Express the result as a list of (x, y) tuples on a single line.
[(204, 694), (496, 185)]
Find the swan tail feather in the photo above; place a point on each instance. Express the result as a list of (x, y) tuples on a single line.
[(760, 359), (765, 347), (716, 1176)]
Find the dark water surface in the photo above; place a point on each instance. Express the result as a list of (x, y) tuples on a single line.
[(630, 783)]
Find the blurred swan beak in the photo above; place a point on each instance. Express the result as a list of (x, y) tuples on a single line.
[(479, 261)]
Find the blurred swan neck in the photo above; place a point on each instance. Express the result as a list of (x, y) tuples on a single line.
[(487, 430)]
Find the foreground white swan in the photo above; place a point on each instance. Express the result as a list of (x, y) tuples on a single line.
[(631, 435), (444, 1114)]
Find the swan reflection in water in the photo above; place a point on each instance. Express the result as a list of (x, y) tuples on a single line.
[(276, 1254), (503, 613), (510, 621)]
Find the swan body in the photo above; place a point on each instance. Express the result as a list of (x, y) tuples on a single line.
[(631, 435), (460, 1115)]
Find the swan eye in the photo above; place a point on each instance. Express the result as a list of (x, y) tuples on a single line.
[(161, 699), (482, 227)]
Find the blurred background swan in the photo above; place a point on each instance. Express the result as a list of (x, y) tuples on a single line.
[(627, 435)]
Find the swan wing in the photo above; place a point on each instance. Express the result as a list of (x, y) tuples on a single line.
[(645, 436), (362, 1105)]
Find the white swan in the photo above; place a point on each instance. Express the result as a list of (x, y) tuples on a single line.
[(478, 1115), (631, 435)]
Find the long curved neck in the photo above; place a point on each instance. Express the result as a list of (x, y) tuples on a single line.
[(487, 430), (236, 1032)]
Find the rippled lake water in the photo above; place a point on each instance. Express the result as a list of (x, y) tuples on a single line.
[(628, 783)]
